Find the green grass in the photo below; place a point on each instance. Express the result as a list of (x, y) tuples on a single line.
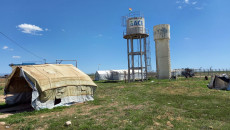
[(1, 90), (162, 104)]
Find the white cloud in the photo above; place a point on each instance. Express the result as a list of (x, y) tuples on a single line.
[(46, 29), (30, 29), (16, 57), (5, 47), (195, 2), (189, 4), (99, 35), (186, 1)]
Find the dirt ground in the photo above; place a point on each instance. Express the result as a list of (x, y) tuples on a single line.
[(2, 81), (2, 98), (3, 125)]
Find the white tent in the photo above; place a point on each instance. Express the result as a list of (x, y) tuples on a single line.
[(116, 75), (102, 75)]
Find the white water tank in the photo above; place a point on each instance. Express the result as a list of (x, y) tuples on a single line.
[(135, 25), (163, 63)]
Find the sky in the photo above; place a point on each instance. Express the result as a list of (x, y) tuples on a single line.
[(90, 32)]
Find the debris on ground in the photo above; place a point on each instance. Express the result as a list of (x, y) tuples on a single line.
[(221, 82), (188, 73), (68, 123)]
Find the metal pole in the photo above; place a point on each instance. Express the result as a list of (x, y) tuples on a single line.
[(128, 60), (141, 60), (132, 59), (146, 72)]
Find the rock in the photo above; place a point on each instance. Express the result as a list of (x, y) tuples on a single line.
[(7, 127), (68, 123), (2, 123)]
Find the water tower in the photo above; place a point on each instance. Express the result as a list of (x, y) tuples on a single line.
[(138, 46)]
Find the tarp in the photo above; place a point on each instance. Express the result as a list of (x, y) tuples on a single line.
[(47, 84), (219, 82)]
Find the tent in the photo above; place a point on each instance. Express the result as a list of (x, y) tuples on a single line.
[(219, 82), (123, 74), (102, 75), (48, 86), (116, 75)]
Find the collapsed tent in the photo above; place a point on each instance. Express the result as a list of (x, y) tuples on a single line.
[(219, 82), (48, 86)]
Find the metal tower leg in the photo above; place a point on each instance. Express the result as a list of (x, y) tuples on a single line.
[(128, 60), (146, 77), (133, 74), (141, 60)]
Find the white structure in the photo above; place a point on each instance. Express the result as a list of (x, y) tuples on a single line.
[(116, 75), (162, 37), (102, 75), (135, 25)]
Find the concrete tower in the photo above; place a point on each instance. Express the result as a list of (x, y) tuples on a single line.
[(162, 37)]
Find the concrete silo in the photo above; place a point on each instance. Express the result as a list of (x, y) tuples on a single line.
[(163, 63)]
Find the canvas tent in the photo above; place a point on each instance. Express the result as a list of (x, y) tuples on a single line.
[(220, 82), (48, 86)]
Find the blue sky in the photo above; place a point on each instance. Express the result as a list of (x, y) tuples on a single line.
[(91, 32)]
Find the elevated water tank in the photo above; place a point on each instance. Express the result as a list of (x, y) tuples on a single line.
[(135, 27)]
